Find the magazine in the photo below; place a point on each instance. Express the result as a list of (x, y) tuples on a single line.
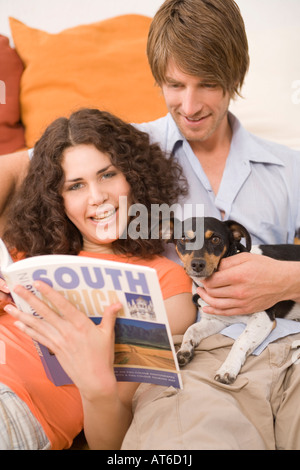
[(144, 351)]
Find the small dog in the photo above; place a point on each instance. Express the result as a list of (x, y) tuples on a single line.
[(223, 239)]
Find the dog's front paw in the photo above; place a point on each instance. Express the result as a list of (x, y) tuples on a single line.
[(225, 378), (184, 356), (227, 373)]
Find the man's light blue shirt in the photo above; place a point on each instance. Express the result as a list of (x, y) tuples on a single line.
[(260, 187)]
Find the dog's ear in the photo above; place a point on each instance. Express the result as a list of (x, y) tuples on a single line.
[(239, 232)]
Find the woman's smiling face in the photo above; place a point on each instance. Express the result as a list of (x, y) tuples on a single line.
[(92, 192)]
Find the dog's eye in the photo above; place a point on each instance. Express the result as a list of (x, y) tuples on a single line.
[(215, 240)]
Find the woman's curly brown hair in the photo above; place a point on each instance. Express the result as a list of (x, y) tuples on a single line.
[(37, 221)]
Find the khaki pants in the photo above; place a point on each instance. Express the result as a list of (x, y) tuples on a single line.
[(261, 410)]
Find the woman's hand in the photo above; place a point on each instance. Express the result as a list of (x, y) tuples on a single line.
[(5, 297), (84, 350)]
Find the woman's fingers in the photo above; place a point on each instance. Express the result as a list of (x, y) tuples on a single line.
[(5, 296), (84, 350), (54, 322), (38, 329), (109, 315), (64, 310), (3, 286), (61, 309)]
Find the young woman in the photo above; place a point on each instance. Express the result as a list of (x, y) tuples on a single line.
[(71, 202)]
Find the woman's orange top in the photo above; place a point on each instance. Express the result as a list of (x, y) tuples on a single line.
[(59, 409)]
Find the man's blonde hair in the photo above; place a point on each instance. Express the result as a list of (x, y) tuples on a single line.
[(205, 38)]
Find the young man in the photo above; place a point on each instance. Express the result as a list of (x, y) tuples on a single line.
[(198, 54)]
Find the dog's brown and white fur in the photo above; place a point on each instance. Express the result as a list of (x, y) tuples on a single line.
[(222, 239)]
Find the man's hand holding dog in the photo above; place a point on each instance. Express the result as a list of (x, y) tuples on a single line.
[(248, 283)]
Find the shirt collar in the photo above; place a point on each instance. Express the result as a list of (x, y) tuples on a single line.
[(249, 146), (174, 135)]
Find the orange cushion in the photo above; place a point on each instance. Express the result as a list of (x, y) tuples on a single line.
[(11, 129), (101, 65)]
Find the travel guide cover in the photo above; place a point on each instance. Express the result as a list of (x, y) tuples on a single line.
[(144, 351)]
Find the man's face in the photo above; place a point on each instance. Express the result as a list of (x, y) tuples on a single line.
[(198, 107)]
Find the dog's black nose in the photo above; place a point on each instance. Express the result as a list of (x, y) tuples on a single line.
[(198, 265)]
